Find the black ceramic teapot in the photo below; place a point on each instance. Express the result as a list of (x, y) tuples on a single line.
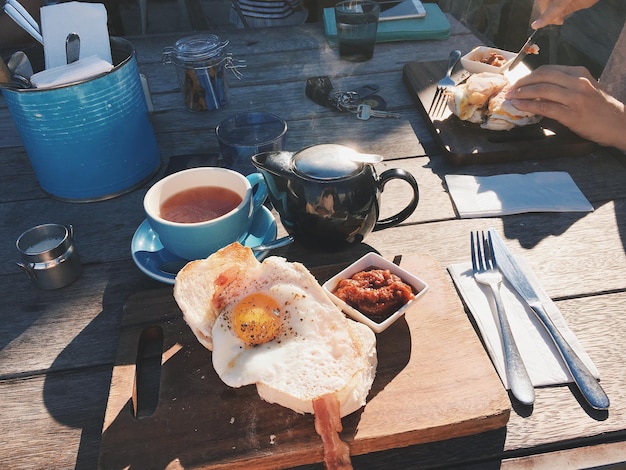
[(328, 195)]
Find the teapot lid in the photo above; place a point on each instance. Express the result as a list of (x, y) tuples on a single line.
[(327, 162)]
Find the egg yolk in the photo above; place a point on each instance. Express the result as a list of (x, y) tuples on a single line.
[(256, 319)]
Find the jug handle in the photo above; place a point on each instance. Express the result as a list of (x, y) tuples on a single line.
[(386, 176), (29, 269)]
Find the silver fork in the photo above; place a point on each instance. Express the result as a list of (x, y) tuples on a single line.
[(439, 100), (486, 272)]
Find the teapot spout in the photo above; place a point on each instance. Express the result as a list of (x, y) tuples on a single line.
[(276, 169), (276, 163)]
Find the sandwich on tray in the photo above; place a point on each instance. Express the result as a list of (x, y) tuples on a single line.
[(480, 99)]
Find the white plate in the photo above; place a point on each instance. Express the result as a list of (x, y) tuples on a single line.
[(368, 261)]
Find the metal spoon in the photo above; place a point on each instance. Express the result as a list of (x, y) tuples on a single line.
[(284, 241), (72, 47), (19, 81), (355, 156), (15, 74), (19, 64), (11, 81)]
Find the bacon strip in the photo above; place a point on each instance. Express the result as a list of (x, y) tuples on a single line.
[(328, 426)]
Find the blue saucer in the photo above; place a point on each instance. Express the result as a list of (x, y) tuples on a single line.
[(159, 264)]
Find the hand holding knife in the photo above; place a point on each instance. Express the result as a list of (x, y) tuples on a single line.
[(523, 51)]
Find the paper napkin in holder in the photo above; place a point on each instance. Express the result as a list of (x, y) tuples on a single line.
[(88, 20), (541, 357), (77, 71), (492, 196)]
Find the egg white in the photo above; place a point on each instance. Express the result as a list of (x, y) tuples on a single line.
[(315, 352)]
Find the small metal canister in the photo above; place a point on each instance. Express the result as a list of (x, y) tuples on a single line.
[(201, 62), (49, 256)]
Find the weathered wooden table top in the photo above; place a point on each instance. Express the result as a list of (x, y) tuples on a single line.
[(57, 348)]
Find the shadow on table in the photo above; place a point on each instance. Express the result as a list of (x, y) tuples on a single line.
[(76, 393), (595, 176)]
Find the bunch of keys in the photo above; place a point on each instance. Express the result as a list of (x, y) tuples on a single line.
[(364, 111), (351, 101), (320, 90)]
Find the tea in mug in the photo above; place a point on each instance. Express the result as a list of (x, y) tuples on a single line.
[(199, 204)]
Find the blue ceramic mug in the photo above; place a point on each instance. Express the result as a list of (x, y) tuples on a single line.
[(197, 240)]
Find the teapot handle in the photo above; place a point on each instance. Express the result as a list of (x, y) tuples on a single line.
[(386, 176)]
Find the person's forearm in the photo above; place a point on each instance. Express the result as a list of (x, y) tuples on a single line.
[(620, 132), (555, 11)]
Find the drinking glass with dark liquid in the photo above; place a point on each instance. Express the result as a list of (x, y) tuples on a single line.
[(357, 24)]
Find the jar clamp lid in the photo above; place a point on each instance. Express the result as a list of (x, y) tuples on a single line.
[(199, 51)]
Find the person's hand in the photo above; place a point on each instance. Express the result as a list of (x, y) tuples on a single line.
[(555, 11), (571, 96)]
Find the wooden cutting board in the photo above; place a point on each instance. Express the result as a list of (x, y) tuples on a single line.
[(434, 382), (464, 142)]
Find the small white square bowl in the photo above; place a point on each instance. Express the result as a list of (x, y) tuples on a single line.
[(373, 260), (471, 61)]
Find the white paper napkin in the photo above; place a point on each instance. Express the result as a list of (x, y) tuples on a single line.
[(490, 196), (70, 73), (88, 20), (541, 357)]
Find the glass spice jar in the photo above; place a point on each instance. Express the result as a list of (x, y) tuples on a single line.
[(201, 62)]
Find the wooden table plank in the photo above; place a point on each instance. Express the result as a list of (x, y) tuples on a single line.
[(54, 420), (574, 420), (74, 327), (598, 456)]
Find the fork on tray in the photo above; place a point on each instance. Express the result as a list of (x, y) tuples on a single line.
[(486, 272), (438, 105)]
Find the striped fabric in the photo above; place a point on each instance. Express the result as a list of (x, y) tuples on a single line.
[(262, 13)]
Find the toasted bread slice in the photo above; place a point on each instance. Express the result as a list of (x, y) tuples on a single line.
[(196, 283)]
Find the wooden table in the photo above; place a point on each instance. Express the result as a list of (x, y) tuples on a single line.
[(57, 348)]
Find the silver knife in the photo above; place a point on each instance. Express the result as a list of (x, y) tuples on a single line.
[(586, 382), (523, 51)]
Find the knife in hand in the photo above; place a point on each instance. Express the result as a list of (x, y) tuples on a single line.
[(586, 382), (523, 51)]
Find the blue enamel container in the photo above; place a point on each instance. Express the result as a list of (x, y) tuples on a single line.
[(89, 140)]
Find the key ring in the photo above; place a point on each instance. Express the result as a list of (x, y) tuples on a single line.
[(346, 100)]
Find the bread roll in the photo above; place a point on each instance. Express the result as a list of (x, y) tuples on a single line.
[(481, 100), (503, 116)]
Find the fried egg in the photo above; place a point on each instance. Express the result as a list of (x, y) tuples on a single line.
[(277, 328)]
